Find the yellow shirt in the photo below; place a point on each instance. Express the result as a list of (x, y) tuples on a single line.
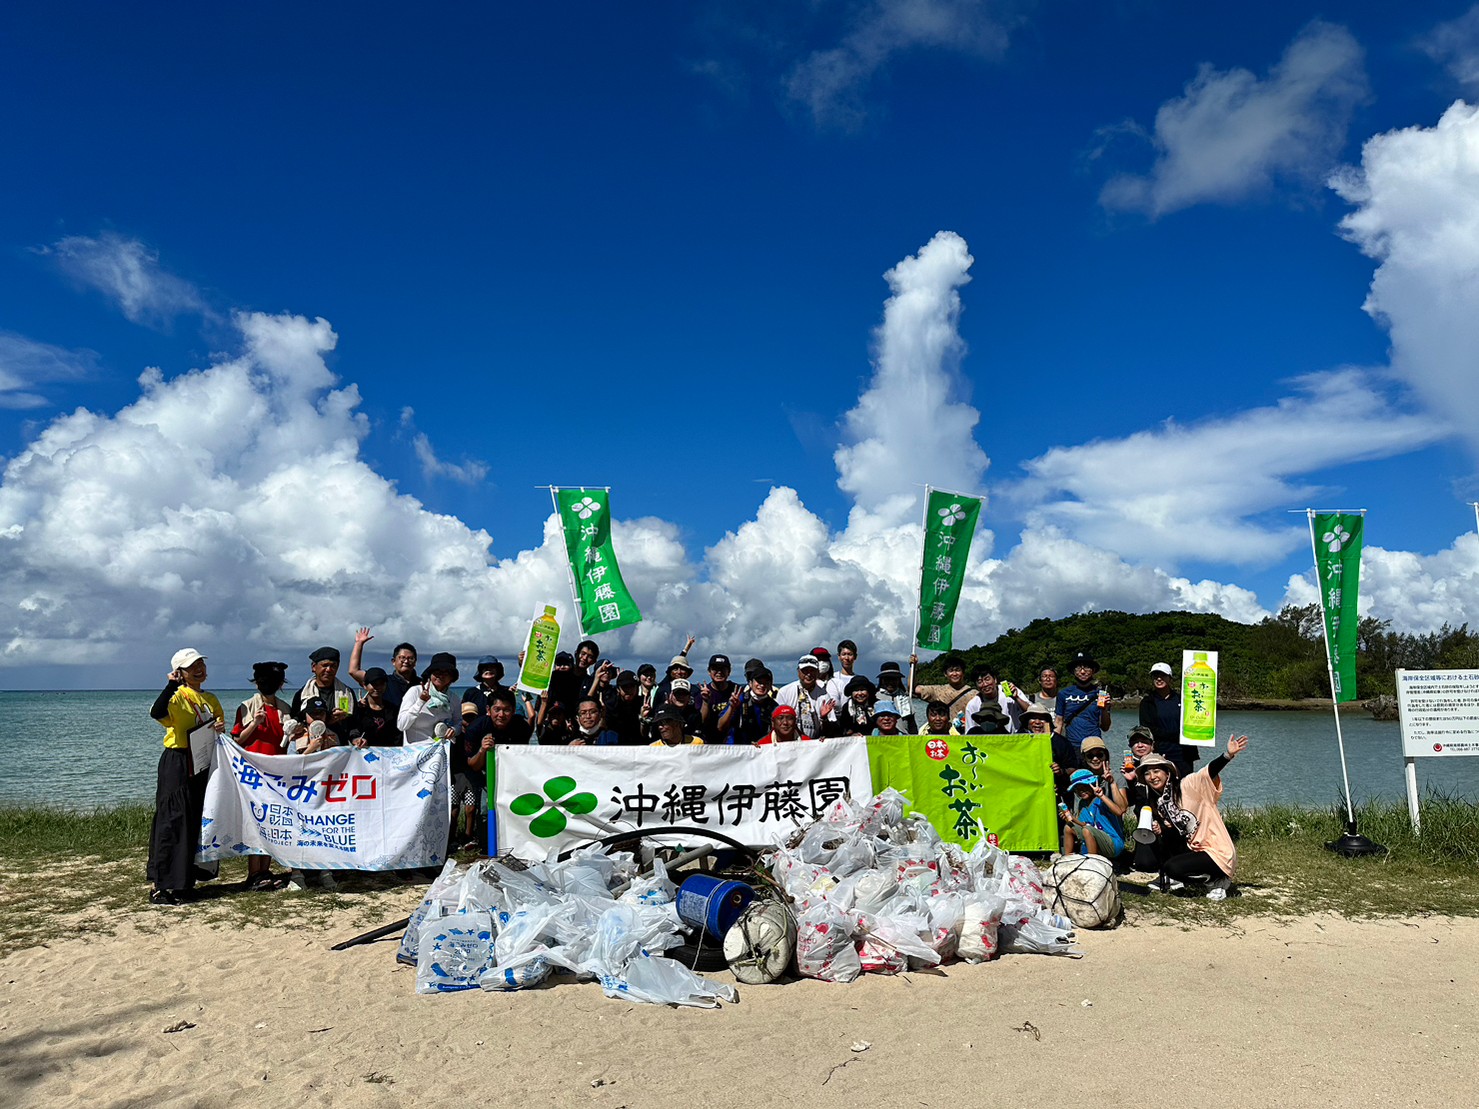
[(687, 741), (187, 711)]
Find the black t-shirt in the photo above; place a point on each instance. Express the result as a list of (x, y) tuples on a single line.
[(377, 725), (754, 718), (471, 742), (718, 701), (625, 719), (396, 688)]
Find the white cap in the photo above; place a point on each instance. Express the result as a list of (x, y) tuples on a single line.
[(183, 660), (1161, 668)]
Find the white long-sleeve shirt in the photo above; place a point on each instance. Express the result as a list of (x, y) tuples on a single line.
[(417, 718)]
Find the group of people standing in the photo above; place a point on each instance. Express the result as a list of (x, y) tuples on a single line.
[(591, 701)]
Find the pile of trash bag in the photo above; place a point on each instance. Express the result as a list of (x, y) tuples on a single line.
[(877, 892), (869, 891), (494, 926)]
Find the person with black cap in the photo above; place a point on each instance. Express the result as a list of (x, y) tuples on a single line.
[(374, 719), (856, 716), (487, 676), (261, 718), (1082, 709), (625, 715), (428, 704), (718, 703), (987, 719), (667, 725), (757, 703), (564, 688), (325, 683), (891, 688)]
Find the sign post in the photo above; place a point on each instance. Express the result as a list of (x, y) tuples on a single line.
[(1440, 719)]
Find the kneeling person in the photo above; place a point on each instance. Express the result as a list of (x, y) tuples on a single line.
[(1089, 827)]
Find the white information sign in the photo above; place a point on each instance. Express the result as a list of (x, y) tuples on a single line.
[(1440, 718), (1440, 712)]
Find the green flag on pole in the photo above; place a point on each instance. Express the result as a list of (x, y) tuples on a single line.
[(601, 598), (1337, 539), (949, 523)]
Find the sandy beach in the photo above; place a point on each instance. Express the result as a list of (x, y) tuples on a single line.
[(1317, 1011)]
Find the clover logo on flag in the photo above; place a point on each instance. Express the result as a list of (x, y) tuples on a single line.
[(1336, 538), (586, 507), (952, 515), (549, 816)]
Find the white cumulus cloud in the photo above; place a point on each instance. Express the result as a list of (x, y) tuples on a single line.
[(1416, 201), (910, 426), (1195, 491), (1232, 135), (1413, 591), (230, 508)]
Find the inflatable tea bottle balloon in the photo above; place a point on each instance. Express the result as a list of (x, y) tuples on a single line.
[(1199, 700), (539, 652)]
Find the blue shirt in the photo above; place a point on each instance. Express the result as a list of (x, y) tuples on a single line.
[(1086, 722)]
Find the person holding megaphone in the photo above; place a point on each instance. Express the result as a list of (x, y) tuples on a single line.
[(1192, 842)]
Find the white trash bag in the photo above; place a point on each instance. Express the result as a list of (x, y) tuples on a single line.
[(442, 896), (824, 944), (662, 981), (980, 919), (454, 951)]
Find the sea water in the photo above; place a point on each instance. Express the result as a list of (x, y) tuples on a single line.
[(99, 748)]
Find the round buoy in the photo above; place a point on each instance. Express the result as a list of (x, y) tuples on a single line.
[(760, 946)]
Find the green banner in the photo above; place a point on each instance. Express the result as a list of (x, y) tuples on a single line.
[(949, 524), (1004, 782), (602, 600), (1338, 575)]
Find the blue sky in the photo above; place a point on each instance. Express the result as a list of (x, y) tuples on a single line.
[(645, 247)]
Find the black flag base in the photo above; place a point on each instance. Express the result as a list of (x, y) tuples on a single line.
[(1354, 845)]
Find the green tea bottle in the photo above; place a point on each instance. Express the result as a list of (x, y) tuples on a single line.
[(1199, 700), (539, 652)]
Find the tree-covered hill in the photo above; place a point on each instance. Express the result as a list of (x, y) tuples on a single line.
[(1282, 657)]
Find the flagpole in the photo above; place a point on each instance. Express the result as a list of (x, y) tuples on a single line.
[(1330, 667), (1475, 506), (919, 598), (1352, 843), (569, 570)]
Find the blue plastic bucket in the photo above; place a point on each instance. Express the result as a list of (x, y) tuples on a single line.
[(706, 902)]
